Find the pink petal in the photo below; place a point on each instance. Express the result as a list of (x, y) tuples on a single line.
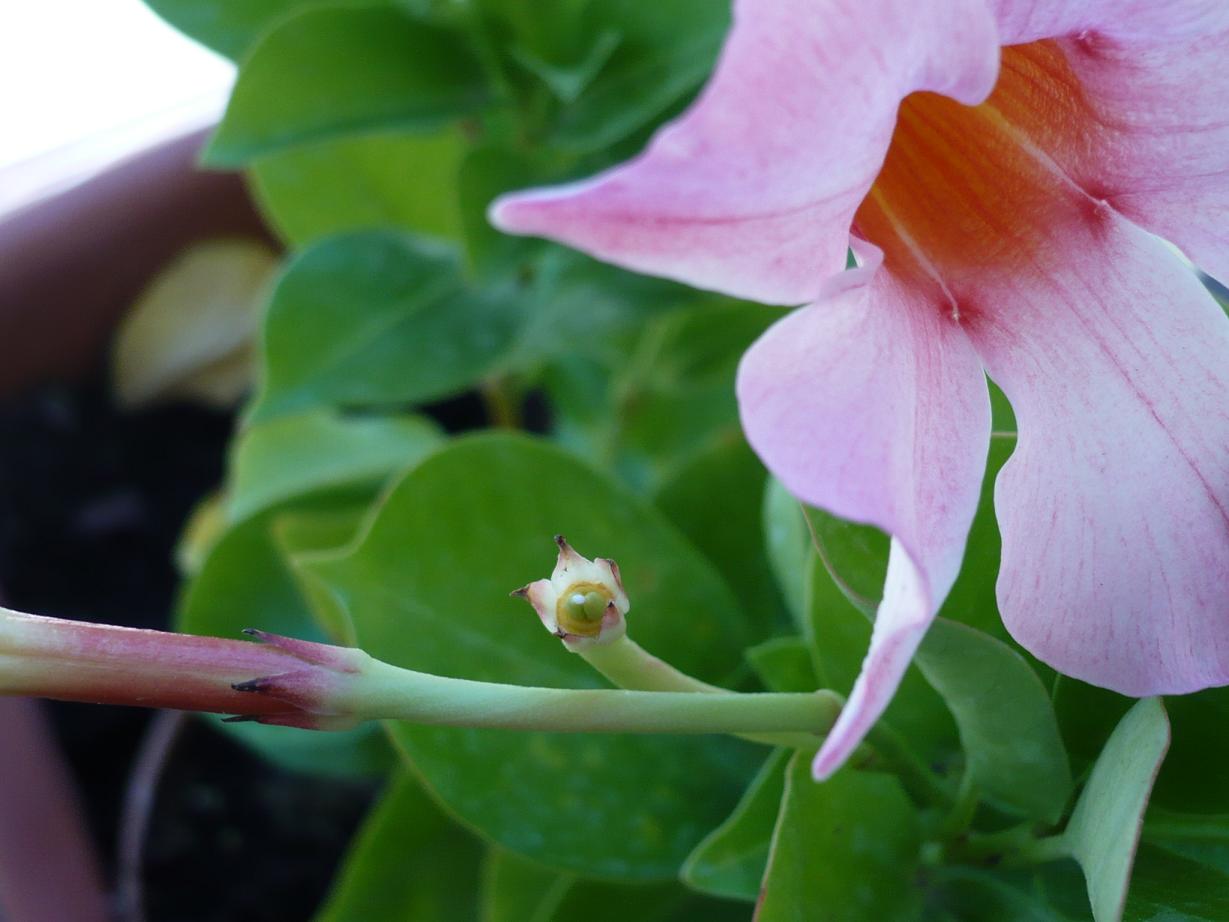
[(872, 404), (752, 191), (1114, 508), (1124, 20), (1165, 159)]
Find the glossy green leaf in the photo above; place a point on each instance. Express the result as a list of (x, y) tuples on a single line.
[(730, 861), (296, 455), (846, 849), (714, 498), (516, 890), (245, 582), (784, 664), (1104, 829), (377, 319), (328, 72), (409, 862), (1010, 735), (428, 589), (383, 180), (664, 52)]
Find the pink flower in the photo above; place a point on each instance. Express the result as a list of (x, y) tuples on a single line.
[(997, 166)]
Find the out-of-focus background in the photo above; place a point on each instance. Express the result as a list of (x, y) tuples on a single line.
[(103, 111)]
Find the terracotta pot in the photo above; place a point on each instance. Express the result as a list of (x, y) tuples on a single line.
[(70, 265)]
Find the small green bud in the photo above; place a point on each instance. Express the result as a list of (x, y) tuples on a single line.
[(583, 602)]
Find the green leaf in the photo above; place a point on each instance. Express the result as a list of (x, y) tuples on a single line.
[(516, 890), (596, 901), (730, 861), (428, 589), (665, 50), (328, 72), (231, 27), (788, 545), (1010, 735), (727, 531), (245, 582), (784, 664), (375, 319), (973, 895), (485, 173), (384, 180), (296, 455), (1193, 778), (1104, 829), (409, 862), (1169, 885), (846, 849)]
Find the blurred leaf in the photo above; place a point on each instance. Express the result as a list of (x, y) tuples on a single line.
[(1172, 886), (328, 72), (1010, 735), (403, 181), (665, 51), (846, 849), (231, 27), (595, 901), (428, 589), (784, 664), (713, 498), (788, 545), (1104, 829), (675, 397), (408, 862), (189, 333), (295, 455), (375, 319), (485, 173), (974, 895), (730, 861), (516, 890), (206, 524), (245, 582), (1195, 775)]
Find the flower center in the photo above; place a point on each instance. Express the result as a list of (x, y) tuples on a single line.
[(963, 187), (580, 609)]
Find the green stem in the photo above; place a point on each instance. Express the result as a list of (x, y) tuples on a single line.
[(1017, 846), (502, 403), (382, 691), (960, 817), (628, 665)]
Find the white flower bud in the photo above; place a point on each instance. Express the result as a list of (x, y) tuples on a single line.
[(583, 602)]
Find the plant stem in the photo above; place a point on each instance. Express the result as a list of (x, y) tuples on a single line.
[(628, 665), (502, 405), (1016, 846), (960, 817), (382, 691)]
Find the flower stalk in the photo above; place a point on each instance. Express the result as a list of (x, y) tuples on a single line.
[(322, 687)]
